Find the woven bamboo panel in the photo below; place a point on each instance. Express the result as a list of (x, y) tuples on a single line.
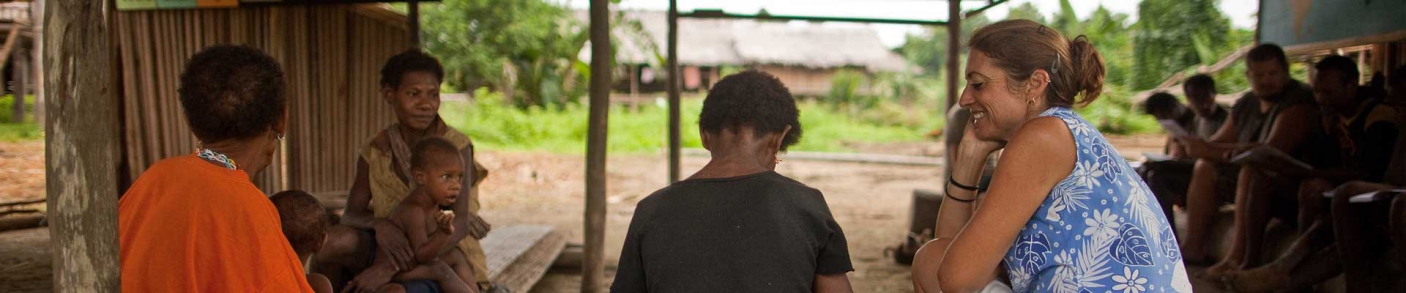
[(331, 57)]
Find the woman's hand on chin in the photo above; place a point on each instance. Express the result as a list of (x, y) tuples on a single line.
[(973, 146)]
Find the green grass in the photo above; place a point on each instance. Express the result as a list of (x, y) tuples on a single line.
[(10, 131), (494, 124), (1114, 113)]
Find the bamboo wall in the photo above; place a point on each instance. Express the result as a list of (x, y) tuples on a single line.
[(331, 56)]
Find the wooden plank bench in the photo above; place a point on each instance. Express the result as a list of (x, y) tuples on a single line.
[(519, 255)]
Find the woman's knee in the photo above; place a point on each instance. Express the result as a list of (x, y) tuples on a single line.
[(1204, 170), (342, 241)]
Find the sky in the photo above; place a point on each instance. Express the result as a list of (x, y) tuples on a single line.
[(1240, 12)]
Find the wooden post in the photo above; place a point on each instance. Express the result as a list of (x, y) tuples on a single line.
[(593, 265), (36, 12), (81, 144), (954, 47), (414, 18), (19, 73), (674, 132)]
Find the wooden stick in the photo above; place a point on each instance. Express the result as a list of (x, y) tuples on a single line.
[(33, 221), (20, 203), (20, 211)]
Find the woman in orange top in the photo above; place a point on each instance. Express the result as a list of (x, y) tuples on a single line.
[(197, 223)]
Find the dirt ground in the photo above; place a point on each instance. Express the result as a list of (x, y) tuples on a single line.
[(21, 171), (870, 201)]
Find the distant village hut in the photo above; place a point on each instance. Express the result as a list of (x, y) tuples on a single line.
[(805, 56)]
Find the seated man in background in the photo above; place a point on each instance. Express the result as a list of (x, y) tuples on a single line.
[(1366, 134), (1169, 179), (1166, 107), (1277, 112), (1396, 89)]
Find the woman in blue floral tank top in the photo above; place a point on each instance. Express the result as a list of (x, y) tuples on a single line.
[(1064, 212)]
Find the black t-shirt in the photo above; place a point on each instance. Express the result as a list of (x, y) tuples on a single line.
[(1253, 125), (756, 233)]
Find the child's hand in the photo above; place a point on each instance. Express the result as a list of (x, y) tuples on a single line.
[(445, 221)]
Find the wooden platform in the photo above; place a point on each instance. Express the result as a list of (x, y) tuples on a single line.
[(519, 255)]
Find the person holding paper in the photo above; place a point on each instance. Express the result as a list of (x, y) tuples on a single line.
[(1174, 117), (1169, 179), (1277, 112), (1366, 133)]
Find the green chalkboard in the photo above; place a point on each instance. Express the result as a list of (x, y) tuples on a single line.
[(1295, 22)]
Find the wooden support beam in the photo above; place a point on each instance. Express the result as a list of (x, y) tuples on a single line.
[(26, 222), (13, 204), (19, 73), (81, 144), (704, 13), (37, 17), (674, 125), (10, 39), (970, 14), (954, 47), (593, 265), (414, 18)]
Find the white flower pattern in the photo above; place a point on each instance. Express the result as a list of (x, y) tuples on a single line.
[(1113, 225), (1129, 282), (1104, 222)]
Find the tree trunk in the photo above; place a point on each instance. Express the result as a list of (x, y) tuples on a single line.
[(81, 146)]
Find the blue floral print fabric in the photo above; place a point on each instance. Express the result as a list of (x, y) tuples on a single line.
[(1099, 230)]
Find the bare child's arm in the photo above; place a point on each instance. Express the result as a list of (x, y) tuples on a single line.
[(427, 246)]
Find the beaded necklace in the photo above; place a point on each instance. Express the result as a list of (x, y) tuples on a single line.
[(216, 157)]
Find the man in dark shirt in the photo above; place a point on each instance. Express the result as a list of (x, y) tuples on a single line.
[(1169, 179), (1201, 92), (1278, 112), (737, 225), (1365, 134)]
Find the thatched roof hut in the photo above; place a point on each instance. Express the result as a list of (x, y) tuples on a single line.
[(804, 55), (714, 42)]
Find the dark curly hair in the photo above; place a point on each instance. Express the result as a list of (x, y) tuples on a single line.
[(304, 219), (1159, 101), (1343, 66), (409, 61), (751, 98), (431, 149), (1200, 81), (1268, 52), (232, 92)]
